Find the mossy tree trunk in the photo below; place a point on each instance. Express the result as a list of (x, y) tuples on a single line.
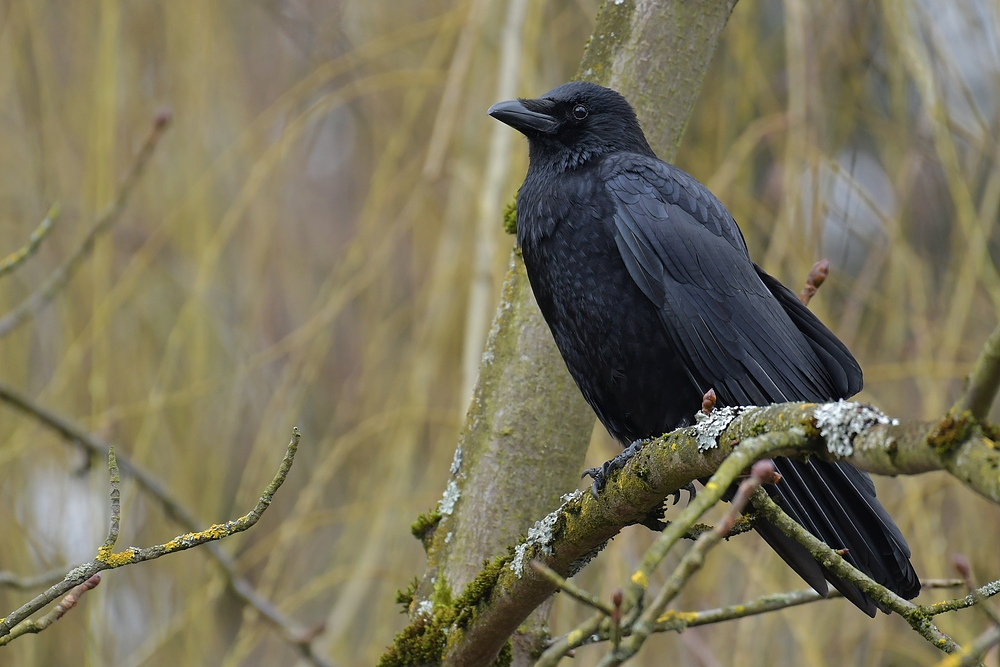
[(528, 428)]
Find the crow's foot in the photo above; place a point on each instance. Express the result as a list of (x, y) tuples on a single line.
[(600, 475)]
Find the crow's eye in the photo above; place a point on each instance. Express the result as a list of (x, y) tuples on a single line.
[(579, 112)]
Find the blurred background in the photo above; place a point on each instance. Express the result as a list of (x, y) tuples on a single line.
[(317, 242)]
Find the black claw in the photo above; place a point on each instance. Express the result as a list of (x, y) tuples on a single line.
[(600, 475), (692, 492), (676, 495)]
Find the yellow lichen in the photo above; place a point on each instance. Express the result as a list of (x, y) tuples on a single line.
[(110, 559), (639, 579), (685, 616)]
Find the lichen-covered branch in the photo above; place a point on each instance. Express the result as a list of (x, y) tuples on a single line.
[(983, 382), (10, 263), (108, 560), (55, 282), (239, 586)]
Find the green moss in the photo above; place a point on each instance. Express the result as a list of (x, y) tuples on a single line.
[(423, 527), (760, 427), (426, 639), (951, 432), (510, 216), (422, 642), (405, 596)]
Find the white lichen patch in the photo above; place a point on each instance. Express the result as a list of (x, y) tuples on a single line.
[(708, 428), (451, 495), (456, 461), (540, 535), (425, 608), (841, 422), (447, 538)]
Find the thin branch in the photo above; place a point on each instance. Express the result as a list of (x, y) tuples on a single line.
[(67, 603), (116, 506), (107, 560), (678, 621), (240, 587), (10, 263), (58, 279), (572, 589), (918, 618), (982, 383)]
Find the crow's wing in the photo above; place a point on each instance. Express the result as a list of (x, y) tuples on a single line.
[(687, 255), (742, 333)]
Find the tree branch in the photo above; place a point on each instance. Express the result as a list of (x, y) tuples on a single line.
[(239, 586), (58, 279), (108, 560), (982, 383), (11, 262)]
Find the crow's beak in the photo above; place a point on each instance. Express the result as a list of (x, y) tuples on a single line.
[(513, 113)]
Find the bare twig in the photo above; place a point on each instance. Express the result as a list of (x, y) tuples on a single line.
[(817, 276), (107, 560), (62, 275), (918, 618), (981, 593), (67, 603), (982, 383), (10, 263), (572, 589), (677, 621)]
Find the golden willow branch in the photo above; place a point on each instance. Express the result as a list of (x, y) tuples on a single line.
[(58, 279), (11, 262), (16, 623)]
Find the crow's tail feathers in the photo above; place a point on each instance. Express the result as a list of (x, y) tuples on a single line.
[(837, 503)]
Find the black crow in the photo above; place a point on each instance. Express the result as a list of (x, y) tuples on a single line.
[(645, 280)]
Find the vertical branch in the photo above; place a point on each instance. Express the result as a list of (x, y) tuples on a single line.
[(116, 506)]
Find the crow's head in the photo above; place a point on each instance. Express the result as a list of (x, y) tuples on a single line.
[(574, 123)]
